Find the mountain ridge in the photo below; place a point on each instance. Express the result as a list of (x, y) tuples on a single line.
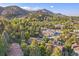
[(16, 11)]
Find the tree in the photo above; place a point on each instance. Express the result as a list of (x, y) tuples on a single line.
[(42, 48), (68, 45), (69, 42), (25, 48), (45, 39), (17, 37), (5, 38), (49, 48), (22, 35), (2, 47), (34, 49), (1, 25), (27, 36), (57, 52)]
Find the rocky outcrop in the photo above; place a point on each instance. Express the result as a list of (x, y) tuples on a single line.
[(15, 50)]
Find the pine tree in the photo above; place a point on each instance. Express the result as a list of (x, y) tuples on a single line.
[(34, 49), (22, 35), (68, 45), (2, 47), (42, 50), (49, 48), (57, 52), (25, 48), (27, 36), (5, 38)]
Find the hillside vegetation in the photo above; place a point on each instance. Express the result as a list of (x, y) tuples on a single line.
[(24, 29)]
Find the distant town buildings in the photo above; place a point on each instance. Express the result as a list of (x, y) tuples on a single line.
[(75, 48), (51, 33)]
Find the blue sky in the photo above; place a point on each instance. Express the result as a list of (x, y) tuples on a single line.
[(70, 9)]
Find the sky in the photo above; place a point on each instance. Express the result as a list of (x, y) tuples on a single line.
[(70, 9)]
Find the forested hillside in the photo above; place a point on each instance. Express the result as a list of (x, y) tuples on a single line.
[(37, 33)]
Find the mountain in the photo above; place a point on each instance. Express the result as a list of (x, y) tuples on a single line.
[(44, 11), (12, 11), (15, 11), (1, 9)]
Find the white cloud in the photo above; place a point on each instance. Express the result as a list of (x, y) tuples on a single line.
[(27, 8), (6, 4), (51, 6), (37, 8), (31, 8)]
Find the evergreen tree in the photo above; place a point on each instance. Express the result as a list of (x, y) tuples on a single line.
[(34, 49), (45, 39), (25, 48), (27, 36), (2, 47), (5, 38), (42, 48), (57, 52), (49, 48)]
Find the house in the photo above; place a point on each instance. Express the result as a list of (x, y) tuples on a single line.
[(37, 39), (77, 33), (76, 22), (50, 33), (47, 32), (59, 26), (47, 44), (75, 48)]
